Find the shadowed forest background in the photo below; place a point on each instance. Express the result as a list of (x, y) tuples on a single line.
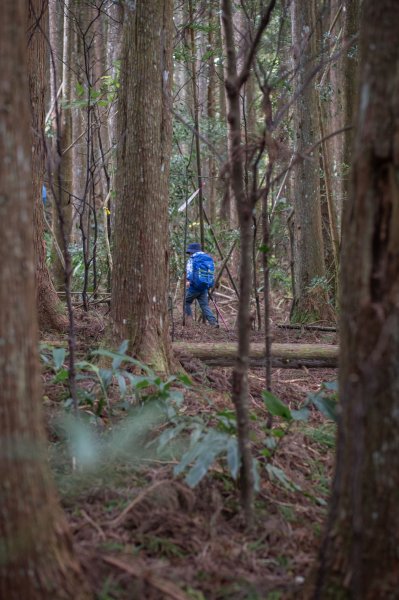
[(148, 455)]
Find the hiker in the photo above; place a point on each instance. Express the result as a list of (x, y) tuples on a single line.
[(200, 278)]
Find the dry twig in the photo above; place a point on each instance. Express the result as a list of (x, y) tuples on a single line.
[(166, 587)]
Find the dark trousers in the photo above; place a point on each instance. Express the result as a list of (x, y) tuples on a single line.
[(202, 297)]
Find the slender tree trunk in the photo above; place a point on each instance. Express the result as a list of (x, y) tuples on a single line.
[(140, 274), (50, 309), (66, 159), (330, 113), (244, 210), (311, 298), (180, 72), (335, 146), (224, 212), (359, 554), (55, 54), (114, 37), (36, 557), (350, 73), (79, 120), (211, 113), (196, 110)]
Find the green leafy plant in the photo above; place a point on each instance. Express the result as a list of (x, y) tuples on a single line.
[(153, 403), (95, 383), (277, 408), (208, 442), (326, 400)]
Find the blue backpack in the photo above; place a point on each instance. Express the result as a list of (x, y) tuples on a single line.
[(203, 271)]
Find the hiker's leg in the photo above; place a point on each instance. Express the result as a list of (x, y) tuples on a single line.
[(191, 295), (206, 311)]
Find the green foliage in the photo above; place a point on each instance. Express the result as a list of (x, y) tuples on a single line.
[(326, 400), (206, 445), (277, 408), (150, 404), (280, 278), (209, 442), (104, 95), (96, 383), (323, 434), (320, 283)]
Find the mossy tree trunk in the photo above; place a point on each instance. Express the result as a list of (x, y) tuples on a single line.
[(140, 273), (359, 554), (37, 562)]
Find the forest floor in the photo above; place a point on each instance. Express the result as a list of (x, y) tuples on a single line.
[(141, 532)]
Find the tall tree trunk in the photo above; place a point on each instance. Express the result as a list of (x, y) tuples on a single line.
[(335, 146), (114, 36), (211, 113), (359, 554), (140, 274), (196, 111), (244, 210), (350, 74), (311, 299), (229, 206), (55, 53), (223, 184), (36, 556), (50, 309), (63, 193)]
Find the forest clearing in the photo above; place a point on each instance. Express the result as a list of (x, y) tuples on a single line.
[(199, 315)]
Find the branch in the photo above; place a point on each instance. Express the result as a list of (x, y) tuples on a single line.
[(305, 155), (198, 134), (243, 76)]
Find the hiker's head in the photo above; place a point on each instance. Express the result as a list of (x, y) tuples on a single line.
[(193, 248)]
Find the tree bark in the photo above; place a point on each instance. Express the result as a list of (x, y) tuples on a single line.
[(50, 309), (37, 562), (311, 298), (211, 113), (244, 211), (358, 557), (114, 36), (350, 74), (63, 192), (196, 113), (140, 274), (333, 102)]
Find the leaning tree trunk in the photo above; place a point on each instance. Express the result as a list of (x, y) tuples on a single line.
[(359, 554), (49, 307), (36, 557), (140, 274), (310, 298)]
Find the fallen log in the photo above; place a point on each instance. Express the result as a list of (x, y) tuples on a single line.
[(288, 356), (308, 327)]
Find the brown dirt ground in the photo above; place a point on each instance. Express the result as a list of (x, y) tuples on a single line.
[(141, 533)]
